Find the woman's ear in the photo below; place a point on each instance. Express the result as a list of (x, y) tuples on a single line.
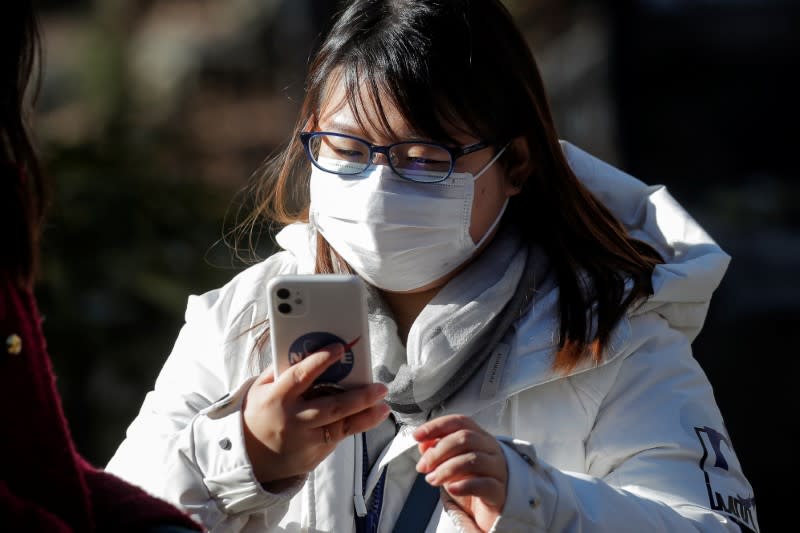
[(518, 165)]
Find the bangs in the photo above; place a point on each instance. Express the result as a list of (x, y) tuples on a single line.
[(375, 77)]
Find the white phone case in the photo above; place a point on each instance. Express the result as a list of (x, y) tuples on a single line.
[(309, 312)]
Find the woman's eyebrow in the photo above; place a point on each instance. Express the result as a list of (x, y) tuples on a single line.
[(344, 126)]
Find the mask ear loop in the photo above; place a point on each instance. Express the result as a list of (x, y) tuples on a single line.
[(494, 224), (491, 162), (505, 204)]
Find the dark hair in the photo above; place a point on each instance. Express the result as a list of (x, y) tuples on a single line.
[(22, 189), (463, 64)]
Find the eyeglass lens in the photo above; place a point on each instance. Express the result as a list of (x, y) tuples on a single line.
[(414, 161)]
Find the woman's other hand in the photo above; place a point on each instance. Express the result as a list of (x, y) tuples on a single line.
[(287, 435), (460, 456)]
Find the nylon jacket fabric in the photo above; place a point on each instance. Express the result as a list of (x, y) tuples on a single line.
[(635, 443)]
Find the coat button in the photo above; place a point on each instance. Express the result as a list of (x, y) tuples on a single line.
[(225, 444), (14, 344)]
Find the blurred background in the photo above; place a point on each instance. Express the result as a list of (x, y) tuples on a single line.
[(155, 114)]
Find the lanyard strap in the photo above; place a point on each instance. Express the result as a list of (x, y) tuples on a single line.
[(418, 508), (415, 515), (369, 522)]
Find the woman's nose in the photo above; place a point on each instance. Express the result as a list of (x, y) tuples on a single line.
[(382, 159), (379, 159)]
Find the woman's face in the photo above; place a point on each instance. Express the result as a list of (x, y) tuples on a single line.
[(492, 188)]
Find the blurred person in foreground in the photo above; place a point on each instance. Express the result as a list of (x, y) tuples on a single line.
[(45, 485), (531, 316)]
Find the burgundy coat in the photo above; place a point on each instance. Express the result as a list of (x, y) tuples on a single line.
[(45, 485)]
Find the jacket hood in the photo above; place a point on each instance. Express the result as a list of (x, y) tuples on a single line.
[(693, 263)]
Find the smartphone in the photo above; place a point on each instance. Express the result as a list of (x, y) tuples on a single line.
[(307, 313)]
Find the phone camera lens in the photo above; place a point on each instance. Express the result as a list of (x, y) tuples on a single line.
[(284, 308), (283, 293)]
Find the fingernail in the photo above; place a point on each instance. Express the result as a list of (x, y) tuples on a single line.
[(385, 410), (430, 478), (422, 466), (380, 390)]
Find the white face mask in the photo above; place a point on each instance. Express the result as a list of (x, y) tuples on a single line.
[(396, 234)]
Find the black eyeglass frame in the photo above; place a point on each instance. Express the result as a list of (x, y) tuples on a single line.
[(455, 153)]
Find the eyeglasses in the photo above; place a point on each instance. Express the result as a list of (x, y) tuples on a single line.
[(419, 161)]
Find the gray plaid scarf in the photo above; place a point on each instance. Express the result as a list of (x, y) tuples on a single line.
[(457, 331)]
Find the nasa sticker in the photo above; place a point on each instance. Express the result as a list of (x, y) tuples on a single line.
[(312, 342)]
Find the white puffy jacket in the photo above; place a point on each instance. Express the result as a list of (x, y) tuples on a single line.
[(634, 444)]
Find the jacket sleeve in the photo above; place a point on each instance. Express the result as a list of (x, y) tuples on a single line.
[(186, 445), (658, 457)]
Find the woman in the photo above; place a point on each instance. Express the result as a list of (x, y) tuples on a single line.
[(45, 485), (531, 314)]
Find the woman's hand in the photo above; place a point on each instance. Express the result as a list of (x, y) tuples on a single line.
[(460, 456), (287, 435)]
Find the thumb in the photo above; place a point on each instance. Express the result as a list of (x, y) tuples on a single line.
[(463, 521)]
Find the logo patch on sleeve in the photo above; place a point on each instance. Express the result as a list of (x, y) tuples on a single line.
[(721, 486)]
